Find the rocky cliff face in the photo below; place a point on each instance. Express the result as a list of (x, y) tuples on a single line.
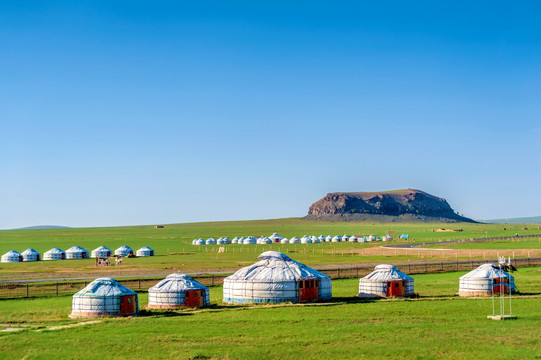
[(397, 205)]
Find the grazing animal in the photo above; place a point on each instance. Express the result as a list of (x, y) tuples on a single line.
[(118, 261), (221, 249)]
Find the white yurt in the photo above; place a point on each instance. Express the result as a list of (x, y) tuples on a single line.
[(31, 255), (177, 291), (12, 256), (200, 242), (314, 239), (104, 297), (194, 242), (370, 238), (235, 240), (124, 250), (386, 280), (54, 254), (101, 251), (227, 240), (220, 241), (294, 240), (352, 238), (484, 279), (361, 239), (306, 240), (336, 238), (387, 238), (76, 252), (275, 238), (241, 240), (321, 238), (145, 251), (345, 237), (210, 241), (284, 241), (276, 278), (328, 238), (250, 240)]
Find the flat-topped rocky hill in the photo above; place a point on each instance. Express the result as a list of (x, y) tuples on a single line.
[(386, 206)]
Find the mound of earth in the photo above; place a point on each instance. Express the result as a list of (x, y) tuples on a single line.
[(408, 205)]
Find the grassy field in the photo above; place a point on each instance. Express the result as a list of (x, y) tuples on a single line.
[(436, 325), (175, 252), (533, 243)]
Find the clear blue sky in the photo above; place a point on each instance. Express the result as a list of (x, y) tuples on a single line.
[(127, 112)]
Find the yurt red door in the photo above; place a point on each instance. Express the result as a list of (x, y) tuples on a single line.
[(194, 298), (128, 305), (396, 288), (308, 290), (37, 257), (83, 255), (499, 287)]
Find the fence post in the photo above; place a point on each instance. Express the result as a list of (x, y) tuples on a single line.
[(338, 273), (56, 289), (357, 273), (426, 268), (212, 276), (457, 265), (139, 280), (409, 268), (26, 290), (441, 266)]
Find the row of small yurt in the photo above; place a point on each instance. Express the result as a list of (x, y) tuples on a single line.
[(275, 278), (275, 238), (12, 256), (75, 252)]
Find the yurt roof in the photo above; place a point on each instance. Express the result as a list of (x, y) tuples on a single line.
[(146, 248), (105, 287), (75, 248), (125, 248), (102, 248), (486, 271), (385, 272), (177, 282), (275, 266), (55, 251), (12, 253), (29, 251)]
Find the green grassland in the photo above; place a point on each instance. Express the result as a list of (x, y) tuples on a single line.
[(176, 253), (512, 243), (436, 325)]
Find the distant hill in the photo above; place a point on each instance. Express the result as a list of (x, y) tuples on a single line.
[(41, 227), (524, 220), (406, 205)]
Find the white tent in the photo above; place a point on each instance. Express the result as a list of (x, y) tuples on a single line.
[(76, 252), (104, 297), (200, 242), (321, 238), (284, 241), (275, 237), (220, 241), (276, 278), (226, 240), (485, 279), (386, 280), (12, 256), (352, 238), (31, 255), (235, 240), (194, 241), (328, 238), (314, 239), (361, 239), (336, 238), (370, 238), (210, 241), (145, 251), (241, 240), (54, 254), (177, 291), (306, 240), (294, 240), (250, 240), (102, 252), (387, 238), (345, 237), (124, 250)]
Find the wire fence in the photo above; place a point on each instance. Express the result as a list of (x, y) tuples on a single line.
[(70, 287)]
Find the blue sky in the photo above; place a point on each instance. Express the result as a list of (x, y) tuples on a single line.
[(126, 112)]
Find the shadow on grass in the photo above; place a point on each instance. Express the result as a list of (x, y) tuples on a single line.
[(162, 313)]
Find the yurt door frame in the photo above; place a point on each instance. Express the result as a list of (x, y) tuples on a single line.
[(193, 298), (308, 290), (83, 255), (396, 288), (500, 287), (128, 304)]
